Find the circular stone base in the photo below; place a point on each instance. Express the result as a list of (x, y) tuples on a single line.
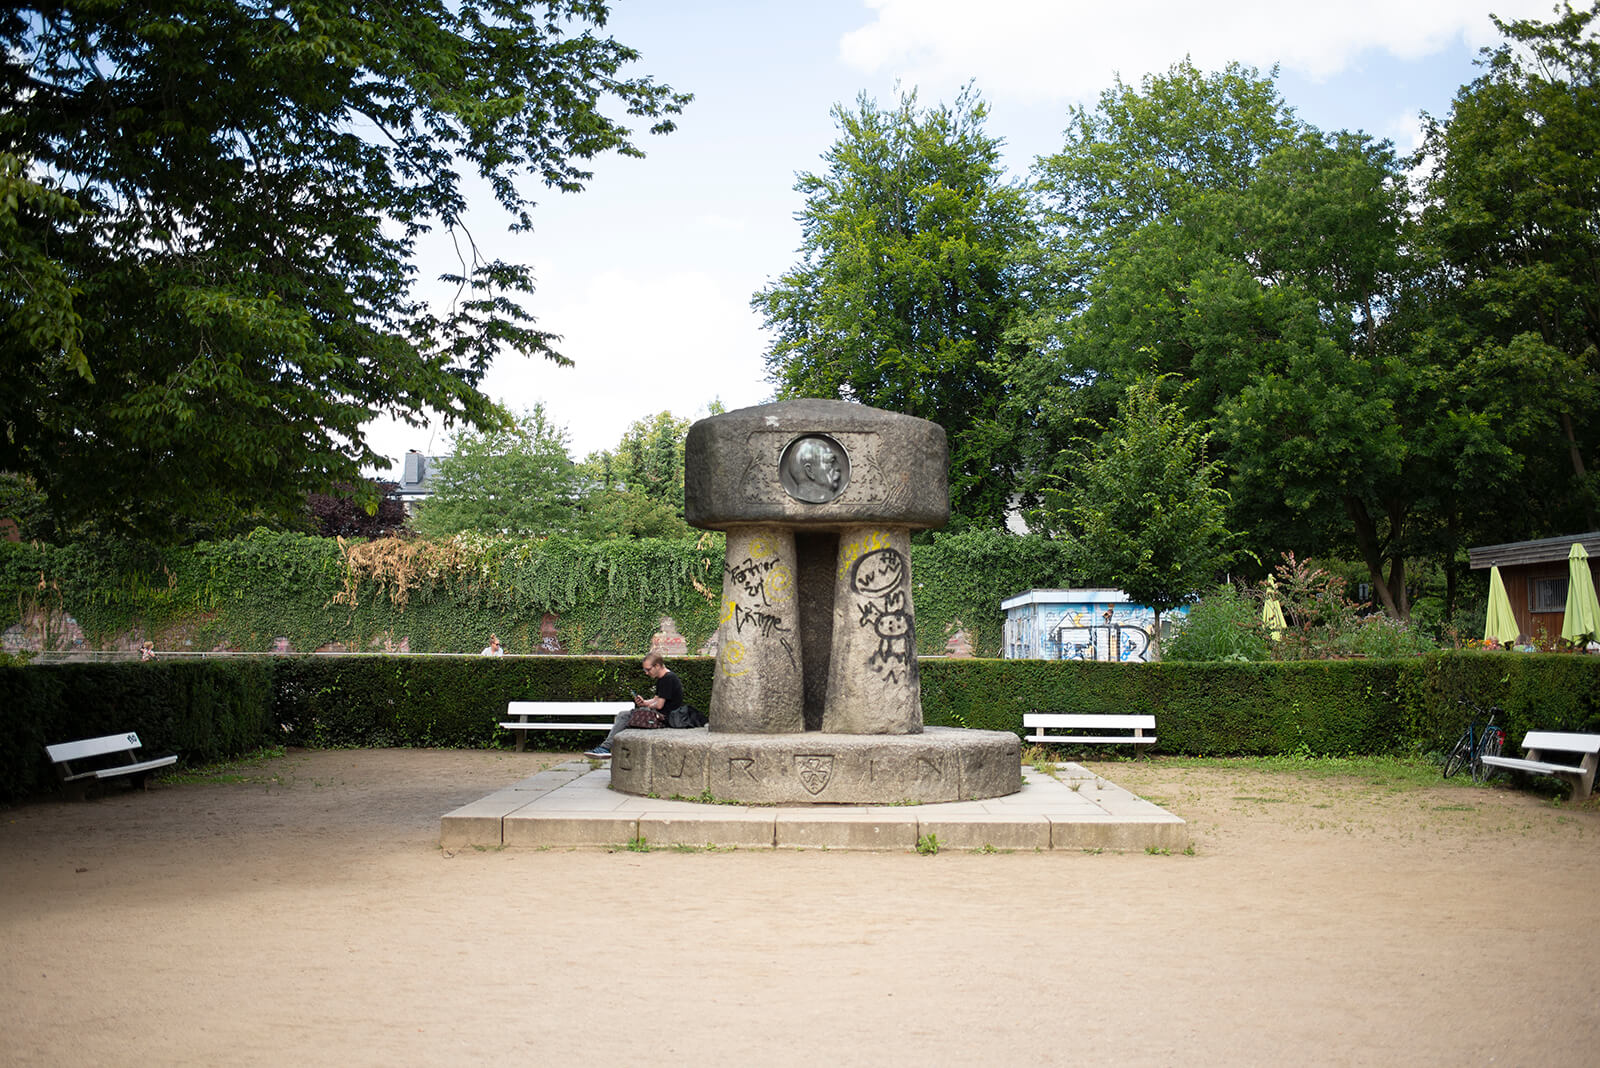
[(940, 764)]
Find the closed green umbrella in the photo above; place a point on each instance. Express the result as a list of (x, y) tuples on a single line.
[(1581, 624), (1501, 626), (1272, 611)]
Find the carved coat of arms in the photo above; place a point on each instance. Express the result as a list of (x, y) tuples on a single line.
[(814, 772)]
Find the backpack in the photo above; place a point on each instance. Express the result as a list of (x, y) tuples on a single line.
[(685, 716)]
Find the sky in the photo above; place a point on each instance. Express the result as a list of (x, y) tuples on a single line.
[(647, 274)]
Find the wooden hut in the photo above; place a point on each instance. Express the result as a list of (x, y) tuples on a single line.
[(1535, 574)]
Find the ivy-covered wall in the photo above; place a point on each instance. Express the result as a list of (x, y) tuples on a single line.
[(274, 590)]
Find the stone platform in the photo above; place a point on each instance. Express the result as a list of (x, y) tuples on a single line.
[(936, 765), (573, 805)]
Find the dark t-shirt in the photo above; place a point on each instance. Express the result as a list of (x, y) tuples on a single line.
[(670, 690)]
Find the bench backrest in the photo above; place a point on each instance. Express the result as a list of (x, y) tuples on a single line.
[(1561, 742), (1062, 719), (558, 708), (92, 747)]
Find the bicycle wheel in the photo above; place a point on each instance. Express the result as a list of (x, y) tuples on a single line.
[(1493, 739), (1459, 755)]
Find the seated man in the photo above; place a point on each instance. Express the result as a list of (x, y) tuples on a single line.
[(669, 695)]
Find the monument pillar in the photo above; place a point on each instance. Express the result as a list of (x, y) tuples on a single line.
[(873, 687), (759, 687)]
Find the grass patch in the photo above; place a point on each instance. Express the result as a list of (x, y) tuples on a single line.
[(1390, 772), (250, 768), (1040, 759)]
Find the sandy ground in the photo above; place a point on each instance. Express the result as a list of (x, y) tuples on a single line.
[(300, 910)]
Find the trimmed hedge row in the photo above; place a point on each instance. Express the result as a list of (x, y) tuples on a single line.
[(207, 710), (1315, 708), (452, 701)]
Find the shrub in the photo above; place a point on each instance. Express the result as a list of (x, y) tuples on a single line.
[(1224, 625), (1383, 636)]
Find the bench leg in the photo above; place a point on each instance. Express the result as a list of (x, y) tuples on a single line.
[(1583, 784)]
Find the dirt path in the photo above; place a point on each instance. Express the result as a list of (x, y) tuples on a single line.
[(303, 913)]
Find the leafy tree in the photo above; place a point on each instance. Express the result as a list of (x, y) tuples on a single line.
[(1142, 512), (1112, 259), (906, 288), (620, 512), (208, 213), (514, 479), (636, 490), (1272, 268), (1513, 198), (23, 509), (1142, 158), (649, 458)]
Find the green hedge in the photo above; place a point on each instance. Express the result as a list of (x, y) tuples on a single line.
[(451, 700), (202, 710), (211, 709), (1318, 708)]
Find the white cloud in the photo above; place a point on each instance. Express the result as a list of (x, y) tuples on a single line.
[(1069, 50)]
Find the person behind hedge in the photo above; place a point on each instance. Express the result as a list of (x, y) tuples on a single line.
[(669, 695), (493, 648)]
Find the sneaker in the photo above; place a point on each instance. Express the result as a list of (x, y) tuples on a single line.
[(599, 752)]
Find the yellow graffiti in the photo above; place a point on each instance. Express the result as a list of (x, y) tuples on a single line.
[(759, 550), (780, 584), (849, 554), (728, 608), (730, 658)]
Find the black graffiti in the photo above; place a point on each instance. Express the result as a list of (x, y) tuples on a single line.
[(879, 579), (751, 576), (763, 623)]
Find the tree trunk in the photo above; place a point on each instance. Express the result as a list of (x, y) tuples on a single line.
[(1577, 458), (1572, 445), (1374, 552)]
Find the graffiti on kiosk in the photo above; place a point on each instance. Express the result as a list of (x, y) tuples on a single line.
[(1117, 632), (1126, 642)]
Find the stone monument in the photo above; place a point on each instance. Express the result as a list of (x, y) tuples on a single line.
[(816, 696)]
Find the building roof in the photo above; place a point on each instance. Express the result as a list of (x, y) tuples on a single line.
[(1093, 595), (416, 474), (1543, 551)]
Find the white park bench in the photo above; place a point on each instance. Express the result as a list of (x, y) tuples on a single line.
[(1540, 744), (524, 716), (1131, 729), (96, 759)]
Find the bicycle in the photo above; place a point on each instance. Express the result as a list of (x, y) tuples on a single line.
[(1476, 743)]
